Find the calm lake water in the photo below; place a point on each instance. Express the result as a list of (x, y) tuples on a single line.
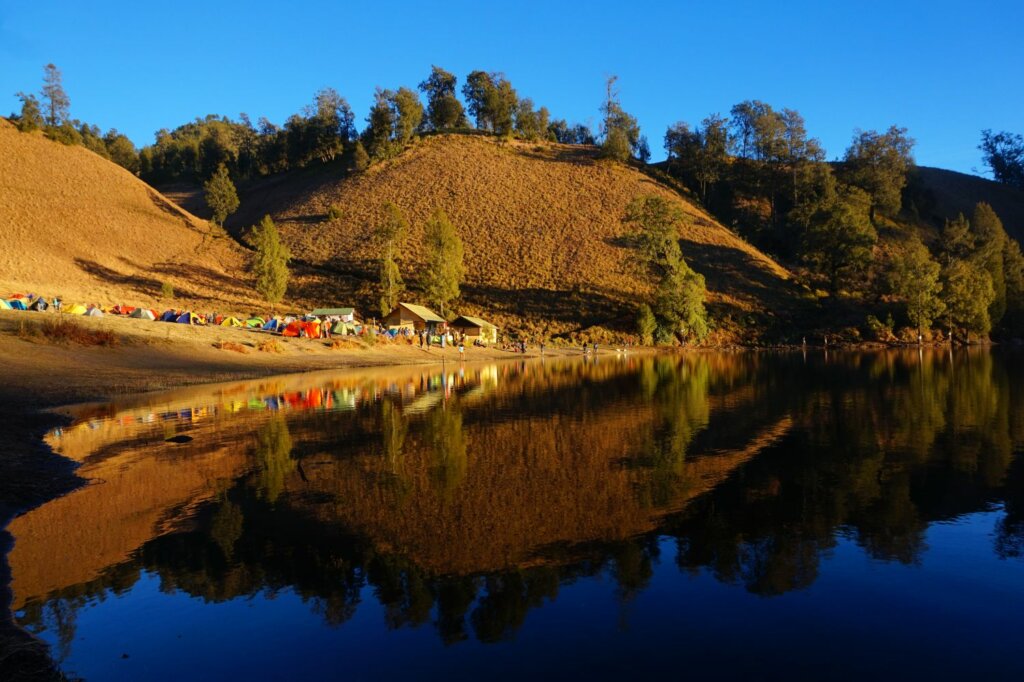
[(736, 515)]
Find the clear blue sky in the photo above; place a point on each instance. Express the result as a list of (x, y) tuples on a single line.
[(945, 70)]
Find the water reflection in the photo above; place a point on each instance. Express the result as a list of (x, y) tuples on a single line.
[(463, 499)]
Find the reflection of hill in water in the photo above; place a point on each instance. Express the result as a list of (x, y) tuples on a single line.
[(478, 495)]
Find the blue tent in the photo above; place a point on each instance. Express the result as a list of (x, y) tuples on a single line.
[(169, 316), (17, 304), (272, 325)]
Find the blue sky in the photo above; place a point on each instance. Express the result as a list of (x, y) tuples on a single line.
[(945, 70)]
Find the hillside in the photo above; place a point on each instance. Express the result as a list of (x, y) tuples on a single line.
[(78, 226), (947, 193), (541, 225)]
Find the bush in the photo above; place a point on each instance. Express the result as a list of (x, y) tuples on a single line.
[(64, 330), (230, 345), (166, 290), (269, 346), (878, 330), (334, 213)]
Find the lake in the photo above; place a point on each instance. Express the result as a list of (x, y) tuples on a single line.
[(745, 515)]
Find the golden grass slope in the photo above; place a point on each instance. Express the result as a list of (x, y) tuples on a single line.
[(80, 227), (955, 193), (545, 248)]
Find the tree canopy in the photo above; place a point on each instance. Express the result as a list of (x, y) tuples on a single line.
[(444, 269), (220, 195), (269, 263)]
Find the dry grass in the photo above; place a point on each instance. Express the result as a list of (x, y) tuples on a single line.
[(541, 225), (65, 331), (78, 226), (269, 346), (230, 345)]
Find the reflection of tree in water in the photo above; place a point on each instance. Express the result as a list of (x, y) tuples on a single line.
[(443, 430), (226, 527), (274, 457)]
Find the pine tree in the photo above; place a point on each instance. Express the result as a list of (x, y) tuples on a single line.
[(221, 196), (391, 235), (839, 240), (878, 164), (646, 324), (270, 261), (989, 244), (444, 267), (360, 159), (679, 305), (58, 104), (656, 229), (967, 292)]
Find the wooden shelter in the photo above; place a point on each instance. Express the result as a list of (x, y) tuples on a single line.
[(417, 317), (476, 328)]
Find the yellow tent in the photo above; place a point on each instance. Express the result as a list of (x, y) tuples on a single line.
[(231, 322), (77, 309)]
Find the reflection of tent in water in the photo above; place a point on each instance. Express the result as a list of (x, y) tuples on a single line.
[(143, 314), (424, 403)]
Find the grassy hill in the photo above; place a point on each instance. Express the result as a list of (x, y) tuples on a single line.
[(945, 193), (78, 226), (541, 224)]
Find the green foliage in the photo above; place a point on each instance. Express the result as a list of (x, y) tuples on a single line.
[(679, 305), (620, 130), (530, 124), (880, 331), (878, 164), (1003, 153), (990, 242), (491, 101), (220, 195), (839, 240), (121, 150), (334, 213), (31, 117), (656, 223), (393, 120), (967, 292), (700, 156), (391, 235), (444, 267), (166, 290), (409, 111), (646, 324), (269, 263), (360, 159), (444, 110), (957, 240), (1013, 273), (914, 277), (56, 103)]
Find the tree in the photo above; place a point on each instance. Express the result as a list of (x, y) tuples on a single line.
[(914, 277), (956, 243), (391, 234), (967, 292), (331, 126), (679, 305), (381, 125), (838, 242), (270, 261), (531, 124), (491, 101), (56, 101), (220, 194), (878, 164), (444, 267), (121, 150), (989, 244), (1013, 272), (1003, 153), (646, 324), (31, 117), (656, 223), (409, 114), (620, 130), (360, 159), (444, 110)]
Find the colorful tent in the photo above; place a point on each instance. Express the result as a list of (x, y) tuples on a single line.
[(189, 318), (230, 322), (272, 325), (142, 314), (255, 322), (94, 312), (76, 309), (39, 304), (4, 305), (17, 304), (169, 316)]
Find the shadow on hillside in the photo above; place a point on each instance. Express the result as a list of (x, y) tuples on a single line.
[(580, 308), (203, 277), (577, 157), (111, 276)]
